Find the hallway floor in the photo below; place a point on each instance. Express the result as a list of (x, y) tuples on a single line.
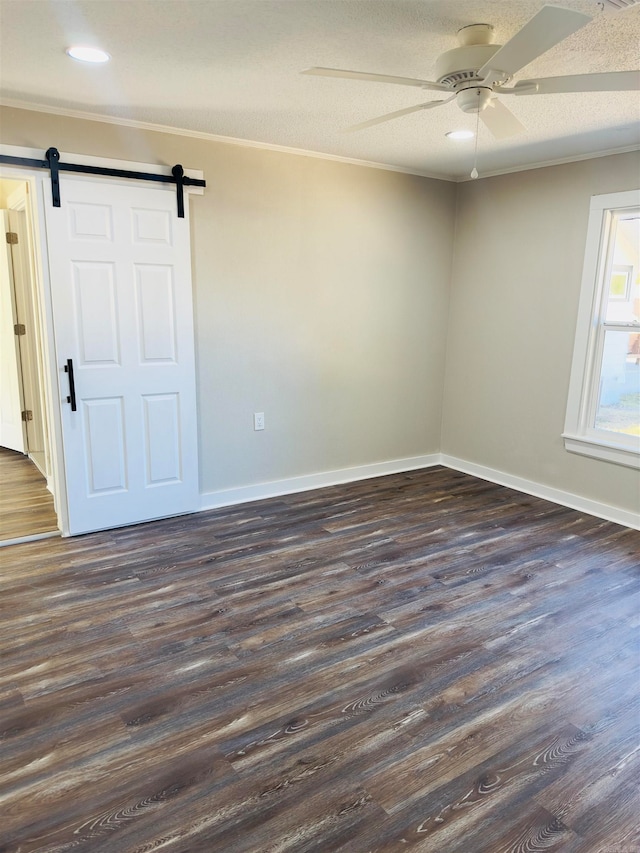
[(26, 505)]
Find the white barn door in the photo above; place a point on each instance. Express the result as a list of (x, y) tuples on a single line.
[(120, 271)]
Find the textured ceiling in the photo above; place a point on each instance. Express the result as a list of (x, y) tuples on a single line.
[(231, 68)]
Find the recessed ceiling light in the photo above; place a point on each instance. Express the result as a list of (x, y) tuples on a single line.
[(88, 54), (460, 134)]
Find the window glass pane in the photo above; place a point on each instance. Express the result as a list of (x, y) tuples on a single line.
[(619, 401), (623, 300)]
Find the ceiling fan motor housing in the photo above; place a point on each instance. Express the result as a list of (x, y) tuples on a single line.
[(459, 67)]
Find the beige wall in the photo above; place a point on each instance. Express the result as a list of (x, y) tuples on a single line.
[(321, 294), (322, 297), (518, 256)]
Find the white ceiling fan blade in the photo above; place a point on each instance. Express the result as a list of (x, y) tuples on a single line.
[(500, 121), (547, 28), (375, 78), (607, 81), (405, 112)]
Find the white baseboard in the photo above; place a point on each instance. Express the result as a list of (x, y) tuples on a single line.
[(38, 461), (277, 488), (33, 537), (538, 490)]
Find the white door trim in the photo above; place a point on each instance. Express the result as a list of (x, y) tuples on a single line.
[(35, 177), (13, 432), (21, 220)]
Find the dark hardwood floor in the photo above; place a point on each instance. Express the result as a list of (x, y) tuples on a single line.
[(420, 662)]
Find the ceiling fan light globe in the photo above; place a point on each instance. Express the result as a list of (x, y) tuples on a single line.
[(474, 100)]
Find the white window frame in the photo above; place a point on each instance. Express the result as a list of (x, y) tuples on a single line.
[(580, 436)]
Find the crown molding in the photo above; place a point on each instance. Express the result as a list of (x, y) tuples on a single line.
[(561, 161), (300, 152), (212, 137)]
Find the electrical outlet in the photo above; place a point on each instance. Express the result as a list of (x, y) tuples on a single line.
[(258, 420)]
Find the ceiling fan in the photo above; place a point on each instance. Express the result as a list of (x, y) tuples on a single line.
[(476, 72)]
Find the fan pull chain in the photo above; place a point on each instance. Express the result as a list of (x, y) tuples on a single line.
[(474, 171)]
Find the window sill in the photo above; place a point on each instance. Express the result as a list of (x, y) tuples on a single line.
[(598, 449)]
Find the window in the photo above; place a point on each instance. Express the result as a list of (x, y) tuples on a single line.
[(603, 411)]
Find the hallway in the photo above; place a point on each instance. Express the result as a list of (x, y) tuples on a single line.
[(26, 505)]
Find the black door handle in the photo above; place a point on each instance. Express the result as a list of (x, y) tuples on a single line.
[(68, 368)]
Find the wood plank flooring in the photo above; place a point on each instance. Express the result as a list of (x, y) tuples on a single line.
[(420, 662), (26, 505)]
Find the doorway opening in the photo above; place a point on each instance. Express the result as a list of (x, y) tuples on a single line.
[(28, 505)]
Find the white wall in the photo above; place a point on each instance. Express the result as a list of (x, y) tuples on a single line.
[(519, 250)]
